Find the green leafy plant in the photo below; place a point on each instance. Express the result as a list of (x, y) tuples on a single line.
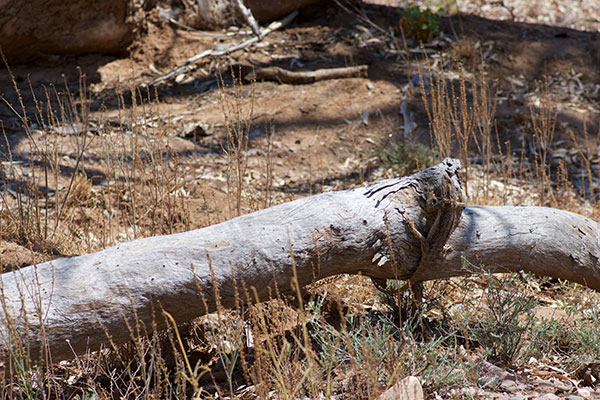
[(501, 323), (406, 158), (549, 336), (421, 25), (586, 333), (377, 352)]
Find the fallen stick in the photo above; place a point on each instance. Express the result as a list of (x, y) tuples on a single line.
[(231, 49), (412, 228), (303, 77), (249, 18)]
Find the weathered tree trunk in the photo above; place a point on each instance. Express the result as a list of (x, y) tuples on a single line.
[(407, 228)]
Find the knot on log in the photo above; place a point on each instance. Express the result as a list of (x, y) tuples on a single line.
[(428, 204), (442, 200)]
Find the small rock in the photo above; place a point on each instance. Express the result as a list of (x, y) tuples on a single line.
[(489, 374), (547, 396), (408, 388), (69, 130), (574, 397), (563, 387), (545, 386), (532, 361), (508, 385), (194, 131), (370, 86), (517, 397), (585, 393), (416, 80), (254, 134), (469, 392)]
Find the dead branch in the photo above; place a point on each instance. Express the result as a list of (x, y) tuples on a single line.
[(231, 49), (413, 228), (302, 77), (249, 18)]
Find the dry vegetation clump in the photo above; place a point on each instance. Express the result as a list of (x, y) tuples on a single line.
[(93, 179)]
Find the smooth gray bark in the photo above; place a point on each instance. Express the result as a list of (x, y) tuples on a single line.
[(407, 228), (544, 241)]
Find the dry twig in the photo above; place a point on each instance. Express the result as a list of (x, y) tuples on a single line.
[(213, 52), (249, 18), (302, 77)]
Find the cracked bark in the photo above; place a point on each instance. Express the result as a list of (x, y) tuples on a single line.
[(411, 228)]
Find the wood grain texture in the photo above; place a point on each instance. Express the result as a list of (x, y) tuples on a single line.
[(544, 241), (410, 228)]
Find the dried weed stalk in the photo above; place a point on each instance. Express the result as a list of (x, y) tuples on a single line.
[(238, 110)]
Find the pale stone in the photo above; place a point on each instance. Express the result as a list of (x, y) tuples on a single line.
[(517, 397), (509, 385), (547, 396), (408, 388), (585, 393)]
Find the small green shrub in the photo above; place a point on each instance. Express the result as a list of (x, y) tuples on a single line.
[(421, 25), (548, 336), (500, 324), (406, 158), (586, 333), (574, 340), (377, 352)]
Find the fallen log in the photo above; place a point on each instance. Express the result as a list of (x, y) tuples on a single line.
[(411, 228)]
